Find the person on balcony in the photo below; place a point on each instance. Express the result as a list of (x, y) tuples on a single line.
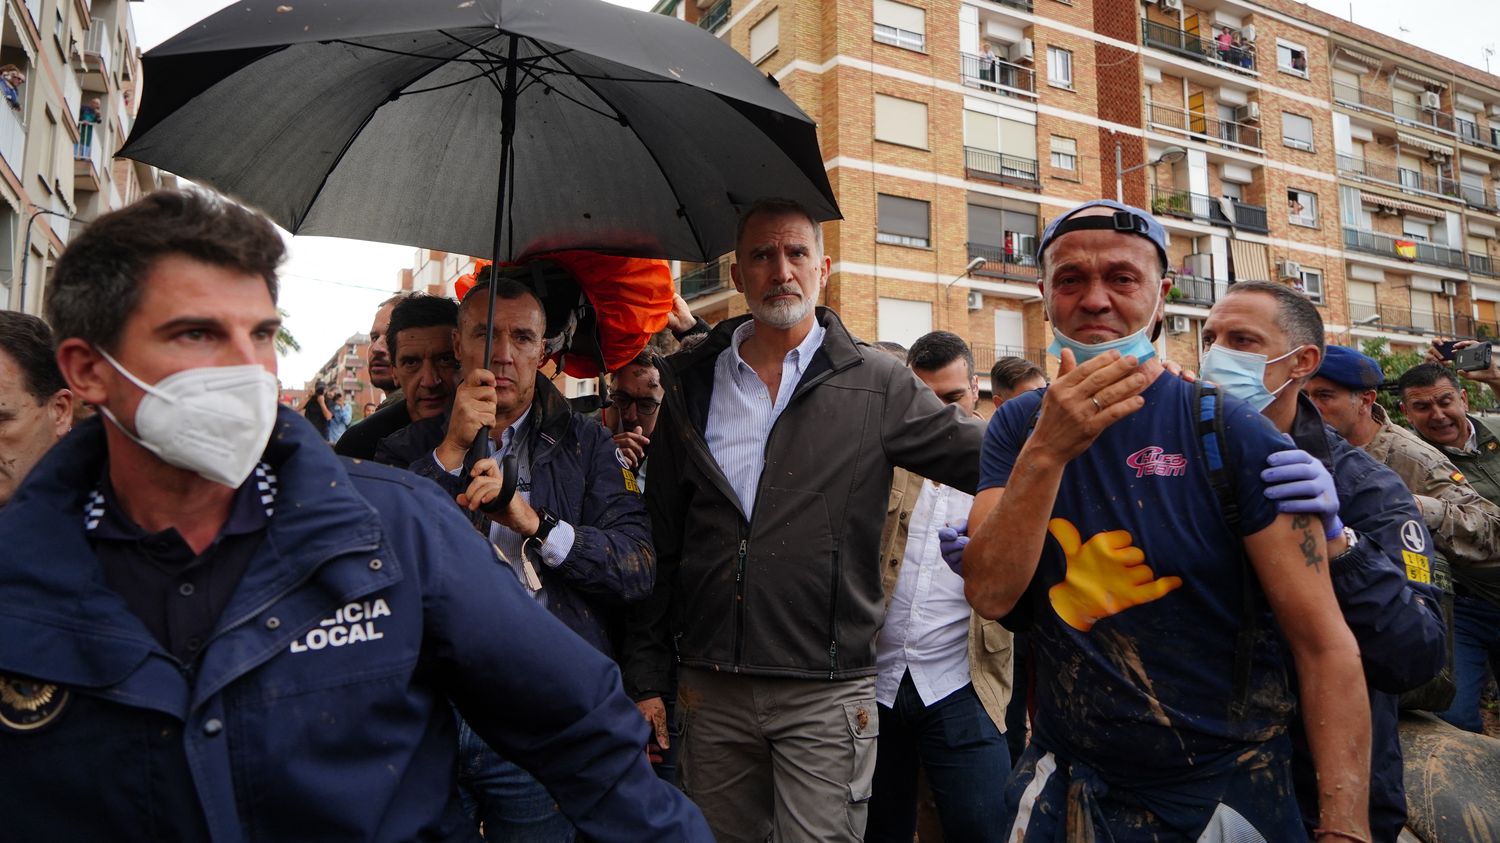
[(88, 117), (989, 63), (11, 80)]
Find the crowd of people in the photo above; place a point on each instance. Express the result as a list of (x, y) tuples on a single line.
[(787, 585)]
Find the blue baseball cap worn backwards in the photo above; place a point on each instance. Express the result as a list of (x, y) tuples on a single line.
[(1126, 220)]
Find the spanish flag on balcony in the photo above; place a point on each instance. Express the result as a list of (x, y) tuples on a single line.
[(1406, 250)]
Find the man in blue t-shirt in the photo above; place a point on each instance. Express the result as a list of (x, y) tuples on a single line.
[(1162, 699)]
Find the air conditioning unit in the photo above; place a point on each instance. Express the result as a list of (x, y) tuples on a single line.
[(1170, 6), (1247, 34), (1288, 269), (1437, 156), (1431, 100), (1178, 325), (1450, 288), (1247, 113), (1025, 50), (976, 300), (1383, 211)]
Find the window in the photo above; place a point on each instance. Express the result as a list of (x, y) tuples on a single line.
[(1302, 208), (1010, 333), (900, 25), (1296, 131), (1230, 190), (1311, 284), (1291, 58), (902, 221), (900, 121), (1416, 228), (1002, 236), (1409, 170), (1064, 153), (765, 35), (903, 321), (1059, 67), (1346, 86)]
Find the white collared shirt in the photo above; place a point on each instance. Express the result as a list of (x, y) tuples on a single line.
[(742, 411), (927, 625)]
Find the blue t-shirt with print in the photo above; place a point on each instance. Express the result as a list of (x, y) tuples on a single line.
[(1134, 622)]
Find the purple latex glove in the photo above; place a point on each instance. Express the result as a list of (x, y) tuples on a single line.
[(951, 543), (1298, 482)]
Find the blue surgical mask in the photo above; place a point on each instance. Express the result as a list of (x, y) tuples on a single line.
[(1137, 344), (1242, 374)]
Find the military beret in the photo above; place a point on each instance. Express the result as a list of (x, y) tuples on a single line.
[(1348, 367)]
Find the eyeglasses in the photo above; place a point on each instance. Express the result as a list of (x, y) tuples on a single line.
[(643, 406)]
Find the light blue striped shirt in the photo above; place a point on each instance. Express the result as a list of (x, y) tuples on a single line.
[(742, 412)]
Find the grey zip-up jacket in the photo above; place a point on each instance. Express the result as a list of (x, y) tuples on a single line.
[(796, 591)]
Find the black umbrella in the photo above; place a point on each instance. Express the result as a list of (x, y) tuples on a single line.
[(404, 121), (478, 126)]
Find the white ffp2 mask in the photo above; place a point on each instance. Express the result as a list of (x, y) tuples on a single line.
[(214, 421)]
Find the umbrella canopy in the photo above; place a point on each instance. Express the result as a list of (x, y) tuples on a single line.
[(633, 134)]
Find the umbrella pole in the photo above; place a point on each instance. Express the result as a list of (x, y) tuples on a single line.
[(482, 446)]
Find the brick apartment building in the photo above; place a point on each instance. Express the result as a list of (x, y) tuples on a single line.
[(345, 371), (1272, 140), (57, 145)]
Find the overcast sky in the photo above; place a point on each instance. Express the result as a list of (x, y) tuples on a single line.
[(331, 286)]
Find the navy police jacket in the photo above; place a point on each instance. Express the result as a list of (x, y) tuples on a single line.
[(1396, 619), (320, 707)]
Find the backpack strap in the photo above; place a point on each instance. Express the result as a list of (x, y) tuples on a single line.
[(1213, 441)]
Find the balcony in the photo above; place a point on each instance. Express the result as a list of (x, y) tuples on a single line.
[(1000, 262), (12, 138), (716, 16), (1001, 77), (1022, 5), (1402, 248), (1250, 217), (1483, 265), (701, 281), (88, 165), (1192, 290), (1408, 181), (1400, 317), (1469, 132), (1002, 168), (1196, 48), (352, 362), (1189, 206), (1478, 197), (1405, 113), (986, 355), (97, 48), (1201, 127)]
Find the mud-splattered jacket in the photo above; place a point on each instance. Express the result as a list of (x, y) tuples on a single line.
[(321, 707), (575, 473)]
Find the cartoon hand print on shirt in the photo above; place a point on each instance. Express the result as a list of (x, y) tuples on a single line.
[(1106, 576)]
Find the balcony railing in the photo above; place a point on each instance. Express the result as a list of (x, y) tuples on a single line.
[(1196, 47), (1483, 265), (995, 75), (1193, 290), (986, 355), (1410, 181), (1402, 317), (1023, 5), (1004, 263), (1402, 248), (1478, 197), (705, 279), (997, 166), (716, 15), (1193, 206), (98, 43), (12, 137), (1202, 127), (1406, 113)]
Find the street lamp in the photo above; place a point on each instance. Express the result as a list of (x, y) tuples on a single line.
[(974, 264), (1170, 155), (26, 247)]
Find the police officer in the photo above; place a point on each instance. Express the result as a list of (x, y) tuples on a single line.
[(1464, 526), (1263, 340), (211, 627)]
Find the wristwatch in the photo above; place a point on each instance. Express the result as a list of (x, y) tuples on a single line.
[(1351, 539), (547, 520)]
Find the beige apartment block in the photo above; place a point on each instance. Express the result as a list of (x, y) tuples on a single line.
[(1273, 141), (59, 131)]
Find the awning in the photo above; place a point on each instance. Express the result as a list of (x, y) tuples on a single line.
[(1368, 61), (1399, 204), (1420, 77), (1249, 261), (1420, 143)]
